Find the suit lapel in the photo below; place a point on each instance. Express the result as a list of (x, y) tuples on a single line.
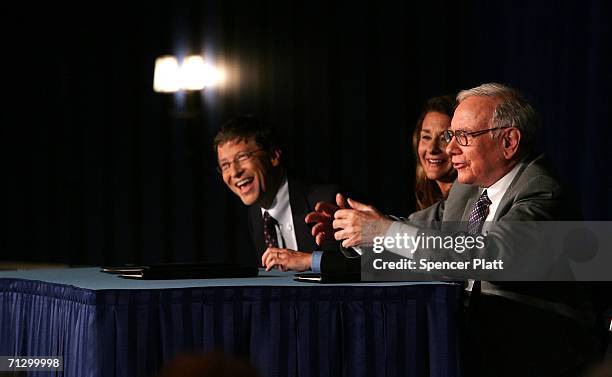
[(508, 199), (257, 229), (471, 202), (460, 202), (299, 208)]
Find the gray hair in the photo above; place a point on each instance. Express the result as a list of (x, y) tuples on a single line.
[(513, 110)]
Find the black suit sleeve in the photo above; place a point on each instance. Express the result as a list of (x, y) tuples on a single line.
[(335, 262)]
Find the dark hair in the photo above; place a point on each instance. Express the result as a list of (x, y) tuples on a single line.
[(427, 191), (244, 127)]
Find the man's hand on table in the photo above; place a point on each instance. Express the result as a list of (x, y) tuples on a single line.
[(286, 260)]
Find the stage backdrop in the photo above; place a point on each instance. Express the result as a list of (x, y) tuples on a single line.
[(102, 170)]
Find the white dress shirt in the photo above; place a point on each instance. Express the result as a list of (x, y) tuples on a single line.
[(281, 211), (496, 192)]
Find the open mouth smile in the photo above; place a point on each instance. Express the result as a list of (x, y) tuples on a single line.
[(244, 185), (434, 161)]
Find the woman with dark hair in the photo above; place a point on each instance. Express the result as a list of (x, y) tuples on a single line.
[(434, 177), (434, 170)]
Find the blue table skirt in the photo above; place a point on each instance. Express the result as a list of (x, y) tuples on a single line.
[(295, 329)]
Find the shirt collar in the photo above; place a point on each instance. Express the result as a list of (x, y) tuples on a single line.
[(280, 204), (496, 191)]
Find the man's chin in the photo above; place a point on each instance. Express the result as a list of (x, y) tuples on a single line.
[(468, 180), (248, 200)]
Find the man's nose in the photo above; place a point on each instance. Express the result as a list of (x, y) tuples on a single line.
[(236, 169), (452, 148)]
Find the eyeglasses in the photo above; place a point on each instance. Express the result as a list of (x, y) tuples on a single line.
[(462, 136), (239, 158)]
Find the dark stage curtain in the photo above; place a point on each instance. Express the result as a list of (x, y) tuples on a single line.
[(101, 170)]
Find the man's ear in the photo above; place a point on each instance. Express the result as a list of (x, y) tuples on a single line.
[(275, 156), (510, 142)]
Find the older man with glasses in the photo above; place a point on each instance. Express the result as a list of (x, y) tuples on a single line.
[(526, 328)]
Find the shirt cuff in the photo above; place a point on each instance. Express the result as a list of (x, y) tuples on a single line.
[(358, 250), (315, 265), (401, 230)]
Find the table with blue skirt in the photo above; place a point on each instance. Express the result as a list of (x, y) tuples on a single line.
[(103, 325)]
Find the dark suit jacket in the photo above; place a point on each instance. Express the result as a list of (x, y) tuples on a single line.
[(303, 198)]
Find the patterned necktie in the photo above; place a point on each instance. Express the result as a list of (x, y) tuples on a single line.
[(475, 222), (270, 237), (479, 214)]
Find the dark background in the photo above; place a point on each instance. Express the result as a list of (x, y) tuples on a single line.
[(99, 169)]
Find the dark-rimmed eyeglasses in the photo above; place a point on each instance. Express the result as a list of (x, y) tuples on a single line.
[(462, 136), (239, 158)]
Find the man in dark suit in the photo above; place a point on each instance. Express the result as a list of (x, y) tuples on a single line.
[(529, 328), (250, 163)]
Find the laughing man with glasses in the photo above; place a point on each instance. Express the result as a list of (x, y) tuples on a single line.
[(249, 161)]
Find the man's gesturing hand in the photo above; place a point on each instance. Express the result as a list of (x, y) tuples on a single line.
[(323, 217), (359, 224)]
